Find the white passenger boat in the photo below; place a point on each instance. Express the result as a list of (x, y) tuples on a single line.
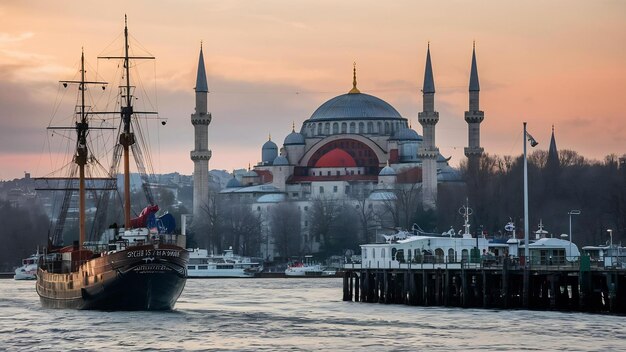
[(28, 270), (202, 264), (308, 268)]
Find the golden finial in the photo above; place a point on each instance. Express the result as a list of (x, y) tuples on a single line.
[(248, 166), (474, 44), (354, 89), (293, 126), (270, 136)]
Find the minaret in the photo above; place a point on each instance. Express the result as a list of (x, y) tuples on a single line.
[(553, 154), (473, 117), (428, 152), (201, 153)]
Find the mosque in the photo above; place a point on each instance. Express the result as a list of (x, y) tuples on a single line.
[(353, 145)]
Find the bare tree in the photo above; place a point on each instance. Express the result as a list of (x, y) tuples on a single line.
[(322, 216), (285, 228)]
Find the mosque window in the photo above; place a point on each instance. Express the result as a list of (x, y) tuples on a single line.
[(294, 194), (335, 128), (361, 127), (365, 254), (352, 127), (351, 172), (321, 189), (327, 128), (337, 172), (258, 208), (306, 208), (306, 223), (334, 189), (328, 173), (370, 127), (382, 252), (386, 127), (319, 128), (373, 253), (379, 127), (344, 127)]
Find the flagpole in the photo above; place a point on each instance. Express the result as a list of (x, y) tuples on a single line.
[(526, 239)]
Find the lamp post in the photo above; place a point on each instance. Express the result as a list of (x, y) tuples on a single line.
[(533, 143), (570, 213)]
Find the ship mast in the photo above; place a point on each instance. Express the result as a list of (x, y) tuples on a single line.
[(81, 153), (127, 138)]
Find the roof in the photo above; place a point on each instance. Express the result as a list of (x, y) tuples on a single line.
[(233, 183), (252, 189), (406, 134), (280, 161), (355, 106), (201, 85), (294, 138), (429, 82), (272, 198), (474, 86), (387, 171), (336, 158), (269, 145)]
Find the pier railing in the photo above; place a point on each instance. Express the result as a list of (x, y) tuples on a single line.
[(560, 263)]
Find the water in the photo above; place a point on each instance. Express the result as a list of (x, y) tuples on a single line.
[(295, 315)]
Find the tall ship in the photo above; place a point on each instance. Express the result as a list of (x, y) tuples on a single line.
[(140, 266)]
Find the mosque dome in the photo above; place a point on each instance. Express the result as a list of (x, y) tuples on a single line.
[(387, 171), (280, 161), (355, 106), (269, 152), (233, 183), (406, 134), (294, 138)]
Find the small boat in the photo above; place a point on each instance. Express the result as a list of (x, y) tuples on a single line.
[(204, 265), (28, 270), (308, 268)]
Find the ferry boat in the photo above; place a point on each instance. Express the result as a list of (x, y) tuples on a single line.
[(28, 270), (140, 266), (308, 268), (203, 265)]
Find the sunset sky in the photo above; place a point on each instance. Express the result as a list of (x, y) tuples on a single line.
[(271, 63)]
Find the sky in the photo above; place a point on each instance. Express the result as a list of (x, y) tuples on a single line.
[(272, 63)]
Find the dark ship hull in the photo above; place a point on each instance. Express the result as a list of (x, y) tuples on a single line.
[(148, 277)]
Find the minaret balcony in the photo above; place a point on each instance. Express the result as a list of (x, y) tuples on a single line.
[(200, 155), (473, 151), (428, 153), (428, 117), (474, 116), (201, 119)]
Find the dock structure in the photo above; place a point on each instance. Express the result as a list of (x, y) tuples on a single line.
[(575, 286)]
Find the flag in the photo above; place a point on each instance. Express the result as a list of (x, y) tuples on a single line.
[(533, 142)]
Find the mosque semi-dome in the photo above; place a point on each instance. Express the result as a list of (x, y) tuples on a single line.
[(280, 161), (355, 106), (387, 171), (233, 183), (406, 134)]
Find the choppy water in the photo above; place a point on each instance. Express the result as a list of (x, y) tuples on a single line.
[(294, 314)]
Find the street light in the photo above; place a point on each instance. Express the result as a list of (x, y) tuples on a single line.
[(570, 213), (533, 143)]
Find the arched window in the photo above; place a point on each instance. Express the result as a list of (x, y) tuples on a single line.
[(451, 256), (335, 128), (344, 127), (386, 127), (464, 255), (327, 128), (365, 254), (319, 129), (373, 253), (439, 255), (361, 127), (352, 127), (379, 127), (382, 252), (370, 127)]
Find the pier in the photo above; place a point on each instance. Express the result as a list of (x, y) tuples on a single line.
[(504, 284)]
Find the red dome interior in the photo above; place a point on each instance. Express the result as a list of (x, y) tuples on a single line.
[(336, 158)]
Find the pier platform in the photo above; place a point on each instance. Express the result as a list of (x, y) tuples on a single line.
[(500, 285)]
